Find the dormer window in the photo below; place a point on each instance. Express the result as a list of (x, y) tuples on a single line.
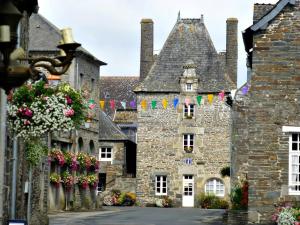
[(189, 87)]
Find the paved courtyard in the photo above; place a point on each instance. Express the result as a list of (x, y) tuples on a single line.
[(141, 216)]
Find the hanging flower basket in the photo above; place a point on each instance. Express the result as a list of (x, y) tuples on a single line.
[(36, 109), (92, 181), (71, 161), (55, 179), (57, 156), (83, 181), (94, 164), (83, 160), (68, 180)]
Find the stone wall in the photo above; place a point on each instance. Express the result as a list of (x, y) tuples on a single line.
[(160, 144)]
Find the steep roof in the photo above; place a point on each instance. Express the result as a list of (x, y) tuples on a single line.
[(109, 131), (188, 40), (262, 24), (45, 36), (118, 88)]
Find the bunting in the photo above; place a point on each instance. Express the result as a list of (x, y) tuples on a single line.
[(175, 102), (199, 98), (245, 89), (112, 104), (102, 104), (187, 101), (165, 103), (123, 104), (153, 104), (144, 104), (210, 98), (221, 96), (132, 104)]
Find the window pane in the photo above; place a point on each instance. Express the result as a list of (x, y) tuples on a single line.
[(108, 149), (103, 155), (109, 155), (294, 146), (295, 137)]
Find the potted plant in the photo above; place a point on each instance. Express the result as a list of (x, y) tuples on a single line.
[(94, 164), (92, 181), (70, 160), (83, 160), (83, 182), (55, 179), (57, 156), (68, 180)]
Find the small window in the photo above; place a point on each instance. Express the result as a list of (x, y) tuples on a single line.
[(105, 154), (92, 84), (189, 111), (188, 142), (80, 80), (189, 87), (215, 186), (294, 164), (161, 185)]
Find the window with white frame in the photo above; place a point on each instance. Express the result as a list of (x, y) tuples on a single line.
[(188, 142), (189, 87), (294, 164), (215, 186), (161, 185), (189, 110), (105, 154)]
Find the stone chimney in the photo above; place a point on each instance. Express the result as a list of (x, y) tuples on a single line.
[(232, 49), (147, 58)]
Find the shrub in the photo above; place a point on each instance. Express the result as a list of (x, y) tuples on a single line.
[(239, 196), (225, 171), (130, 199), (210, 201)]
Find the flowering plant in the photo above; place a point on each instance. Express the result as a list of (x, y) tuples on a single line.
[(94, 163), (70, 160), (188, 149), (68, 180), (286, 215), (83, 160), (58, 156), (93, 181), (36, 109), (55, 179), (83, 181)]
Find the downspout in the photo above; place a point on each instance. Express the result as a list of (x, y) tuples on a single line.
[(14, 178)]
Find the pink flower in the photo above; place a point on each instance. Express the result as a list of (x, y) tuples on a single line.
[(26, 122), (69, 100), (69, 112), (28, 112)]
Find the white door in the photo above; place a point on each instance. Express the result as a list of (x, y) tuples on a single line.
[(188, 191)]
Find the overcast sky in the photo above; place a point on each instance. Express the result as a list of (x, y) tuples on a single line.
[(110, 29)]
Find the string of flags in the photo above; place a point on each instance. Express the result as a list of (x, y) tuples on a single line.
[(153, 104)]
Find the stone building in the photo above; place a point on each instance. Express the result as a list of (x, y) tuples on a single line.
[(181, 148), (266, 119), (83, 74)]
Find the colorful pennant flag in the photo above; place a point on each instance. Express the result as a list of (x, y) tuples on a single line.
[(187, 101), (221, 95), (175, 102), (123, 104), (144, 104), (153, 104), (245, 89), (165, 103), (112, 104), (210, 98), (91, 101), (132, 104), (102, 104), (92, 106), (199, 98)]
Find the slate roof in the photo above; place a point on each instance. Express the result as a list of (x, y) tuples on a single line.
[(128, 116), (109, 131), (118, 88), (45, 36), (188, 40)]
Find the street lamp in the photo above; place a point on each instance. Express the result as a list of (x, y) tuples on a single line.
[(13, 73)]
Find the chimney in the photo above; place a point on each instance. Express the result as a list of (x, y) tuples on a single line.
[(147, 58), (232, 49)]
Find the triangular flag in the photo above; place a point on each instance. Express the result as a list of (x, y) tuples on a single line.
[(245, 89), (102, 104), (165, 103), (123, 104), (91, 101), (92, 106), (210, 98), (199, 98), (144, 104), (221, 95), (175, 102), (153, 104), (132, 104), (112, 104), (187, 101)]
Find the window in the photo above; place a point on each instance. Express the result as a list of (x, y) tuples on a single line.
[(189, 111), (102, 182), (92, 84), (215, 186), (80, 80), (105, 154), (189, 87), (188, 142), (294, 164), (161, 185)]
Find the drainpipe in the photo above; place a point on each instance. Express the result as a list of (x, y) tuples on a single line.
[(2, 148), (14, 178)]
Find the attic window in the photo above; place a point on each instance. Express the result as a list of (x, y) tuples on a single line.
[(189, 87)]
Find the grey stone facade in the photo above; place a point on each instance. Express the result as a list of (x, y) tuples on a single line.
[(188, 58), (260, 144)]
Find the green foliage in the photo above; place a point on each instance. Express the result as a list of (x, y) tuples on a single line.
[(225, 171), (210, 201), (121, 198), (239, 196), (34, 151)]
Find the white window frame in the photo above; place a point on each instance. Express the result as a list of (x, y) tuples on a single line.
[(105, 159), (188, 138), (216, 186), (294, 186), (189, 87), (189, 110), (159, 185)]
